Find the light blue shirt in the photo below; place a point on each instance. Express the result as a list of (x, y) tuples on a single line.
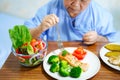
[(94, 17)]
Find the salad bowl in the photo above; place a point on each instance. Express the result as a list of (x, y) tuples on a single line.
[(31, 60)]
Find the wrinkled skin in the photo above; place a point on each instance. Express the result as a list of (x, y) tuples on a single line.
[(49, 21)]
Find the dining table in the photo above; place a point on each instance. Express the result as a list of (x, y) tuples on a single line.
[(12, 70)]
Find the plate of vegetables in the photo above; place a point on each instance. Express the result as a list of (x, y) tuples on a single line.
[(29, 52), (71, 63)]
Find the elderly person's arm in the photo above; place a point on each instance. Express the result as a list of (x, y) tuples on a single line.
[(91, 37), (48, 21)]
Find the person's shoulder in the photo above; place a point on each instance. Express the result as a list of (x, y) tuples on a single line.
[(100, 9)]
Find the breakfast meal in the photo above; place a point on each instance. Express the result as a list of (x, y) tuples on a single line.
[(30, 52), (113, 54), (68, 64)]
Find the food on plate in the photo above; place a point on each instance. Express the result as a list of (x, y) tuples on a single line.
[(113, 47), (79, 53), (112, 54), (53, 59), (66, 64), (114, 58), (54, 67), (29, 51), (73, 61), (75, 72), (65, 68)]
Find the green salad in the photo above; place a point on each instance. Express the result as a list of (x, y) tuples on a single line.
[(29, 51)]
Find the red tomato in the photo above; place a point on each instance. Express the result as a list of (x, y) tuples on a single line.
[(79, 56), (33, 42), (40, 46), (79, 53), (17, 51), (43, 44), (26, 57)]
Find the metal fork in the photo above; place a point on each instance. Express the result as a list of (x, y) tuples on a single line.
[(59, 42)]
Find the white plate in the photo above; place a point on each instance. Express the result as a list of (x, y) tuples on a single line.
[(90, 58), (103, 51)]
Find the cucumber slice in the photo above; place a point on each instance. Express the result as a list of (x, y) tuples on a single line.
[(30, 50)]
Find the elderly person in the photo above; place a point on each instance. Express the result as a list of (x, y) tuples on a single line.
[(78, 20)]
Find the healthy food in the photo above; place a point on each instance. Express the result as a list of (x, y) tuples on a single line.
[(73, 60), (114, 58), (75, 72), (65, 68), (114, 54), (79, 53), (66, 64), (25, 47), (113, 47), (54, 67), (53, 59)]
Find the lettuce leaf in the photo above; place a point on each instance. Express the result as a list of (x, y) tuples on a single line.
[(19, 35)]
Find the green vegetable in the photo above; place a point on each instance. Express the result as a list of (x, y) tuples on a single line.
[(63, 63), (65, 70), (64, 52), (54, 67), (53, 59), (75, 72), (19, 35), (30, 49), (37, 62)]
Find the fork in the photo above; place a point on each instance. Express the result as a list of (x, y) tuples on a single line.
[(59, 42)]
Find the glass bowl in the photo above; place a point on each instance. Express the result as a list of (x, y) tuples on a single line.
[(33, 59)]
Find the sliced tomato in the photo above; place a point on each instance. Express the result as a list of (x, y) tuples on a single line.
[(17, 51), (79, 53), (26, 56), (40, 46), (79, 56), (34, 48), (43, 43), (33, 42)]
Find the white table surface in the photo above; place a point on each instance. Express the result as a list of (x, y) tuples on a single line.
[(6, 22)]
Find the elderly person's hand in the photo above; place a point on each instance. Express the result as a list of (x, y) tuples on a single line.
[(49, 21), (90, 37)]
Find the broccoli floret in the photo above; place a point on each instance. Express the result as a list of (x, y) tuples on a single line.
[(65, 71), (63, 63), (64, 52), (75, 72), (54, 67), (53, 59)]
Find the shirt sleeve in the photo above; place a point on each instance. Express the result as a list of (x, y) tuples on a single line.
[(107, 29), (37, 19)]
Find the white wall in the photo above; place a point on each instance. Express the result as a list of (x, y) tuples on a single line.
[(21, 8), (27, 8), (114, 7)]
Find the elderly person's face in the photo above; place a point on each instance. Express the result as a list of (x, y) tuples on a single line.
[(74, 7)]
